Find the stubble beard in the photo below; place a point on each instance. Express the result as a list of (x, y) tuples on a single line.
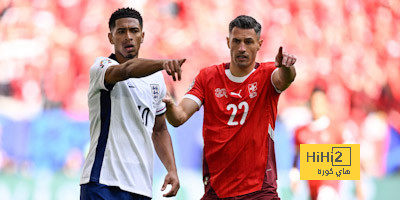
[(130, 56)]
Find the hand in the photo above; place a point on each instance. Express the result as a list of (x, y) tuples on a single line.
[(168, 100), (294, 177), (171, 178), (284, 59), (174, 66)]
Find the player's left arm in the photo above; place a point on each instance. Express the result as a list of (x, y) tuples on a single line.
[(286, 72), (163, 146)]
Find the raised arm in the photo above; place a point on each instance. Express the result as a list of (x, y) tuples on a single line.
[(163, 146), (286, 72), (179, 114), (140, 67)]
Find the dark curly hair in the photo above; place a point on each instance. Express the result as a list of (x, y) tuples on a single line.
[(125, 13), (245, 22)]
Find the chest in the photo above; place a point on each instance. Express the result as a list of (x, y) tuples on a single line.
[(233, 103), (224, 91), (140, 92)]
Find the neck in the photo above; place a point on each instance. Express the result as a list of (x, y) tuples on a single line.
[(241, 71)]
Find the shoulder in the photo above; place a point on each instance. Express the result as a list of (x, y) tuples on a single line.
[(267, 66), (102, 62), (100, 65), (158, 77), (155, 78), (214, 69)]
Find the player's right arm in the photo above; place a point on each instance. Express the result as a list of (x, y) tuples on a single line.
[(140, 67), (192, 101), (179, 114), (286, 72)]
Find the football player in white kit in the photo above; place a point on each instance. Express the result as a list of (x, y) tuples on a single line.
[(127, 117)]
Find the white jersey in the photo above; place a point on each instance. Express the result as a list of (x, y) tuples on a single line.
[(121, 124)]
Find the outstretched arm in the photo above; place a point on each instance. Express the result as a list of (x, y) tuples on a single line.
[(179, 114), (163, 146), (286, 72), (140, 67)]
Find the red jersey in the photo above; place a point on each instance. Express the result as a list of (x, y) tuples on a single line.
[(238, 127), (320, 131)]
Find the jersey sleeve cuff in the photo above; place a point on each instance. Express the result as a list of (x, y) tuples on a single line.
[(276, 89), (161, 111), (194, 98)]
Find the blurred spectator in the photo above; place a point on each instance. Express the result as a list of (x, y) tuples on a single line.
[(321, 130)]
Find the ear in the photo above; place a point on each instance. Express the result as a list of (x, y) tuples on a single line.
[(141, 40), (110, 38), (227, 42), (260, 44)]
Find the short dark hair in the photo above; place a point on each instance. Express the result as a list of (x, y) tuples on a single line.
[(125, 13), (245, 22)]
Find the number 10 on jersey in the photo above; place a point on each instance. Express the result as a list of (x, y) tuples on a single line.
[(234, 108)]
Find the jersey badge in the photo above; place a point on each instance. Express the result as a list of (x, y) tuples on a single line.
[(252, 89), (155, 91), (220, 93)]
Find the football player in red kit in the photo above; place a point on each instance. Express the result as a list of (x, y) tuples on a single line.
[(240, 106), (321, 130)]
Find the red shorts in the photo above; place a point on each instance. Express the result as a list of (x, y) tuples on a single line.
[(267, 192)]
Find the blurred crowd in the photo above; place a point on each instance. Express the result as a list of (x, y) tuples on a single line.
[(348, 49)]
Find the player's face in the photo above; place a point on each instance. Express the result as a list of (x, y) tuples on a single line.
[(126, 38), (243, 44), (319, 104)]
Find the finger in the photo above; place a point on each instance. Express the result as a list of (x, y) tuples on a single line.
[(167, 97), (278, 58), (181, 61), (169, 194), (284, 60), (173, 76), (289, 61), (173, 191), (280, 50), (164, 185), (171, 65), (294, 60), (178, 69), (166, 67), (167, 101)]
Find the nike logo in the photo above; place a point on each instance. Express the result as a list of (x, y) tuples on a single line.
[(237, 94), (131, 86)]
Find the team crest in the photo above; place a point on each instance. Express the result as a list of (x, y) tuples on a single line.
[(220, 93), (252, 89), (155, 91)]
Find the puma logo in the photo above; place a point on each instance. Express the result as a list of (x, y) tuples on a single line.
[(237, 94)]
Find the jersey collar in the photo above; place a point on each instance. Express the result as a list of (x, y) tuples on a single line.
[(112, 56), (236, 79)]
